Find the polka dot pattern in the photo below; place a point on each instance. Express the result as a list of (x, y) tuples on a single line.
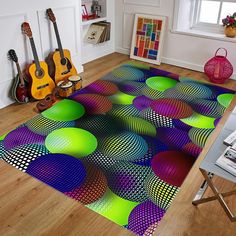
[(144, 215), (59, 171), (95, 184), (100, 160), (43, 126), (125, 146), (160, 193), (2, 149), (22, 136), (127, 180), (22, 156), (156, 119)]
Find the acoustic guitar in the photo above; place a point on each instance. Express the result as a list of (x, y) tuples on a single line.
[(61, 57), (19, 89), (41, 84)]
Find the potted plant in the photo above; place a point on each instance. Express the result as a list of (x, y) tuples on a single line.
[(230, 25)]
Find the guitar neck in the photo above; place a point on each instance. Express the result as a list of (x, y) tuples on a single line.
[(20, 74), (35, 55), (58, 40)]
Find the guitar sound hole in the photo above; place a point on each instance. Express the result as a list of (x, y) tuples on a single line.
[(63, 61), (39, 73)]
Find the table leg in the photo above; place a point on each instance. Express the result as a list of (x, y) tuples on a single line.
[(219, 196)]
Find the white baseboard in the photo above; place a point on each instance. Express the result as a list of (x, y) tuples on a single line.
[(187, 65), (175, 62), (123, 50)]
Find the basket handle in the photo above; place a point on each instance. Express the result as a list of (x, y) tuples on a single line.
[(226, 53)]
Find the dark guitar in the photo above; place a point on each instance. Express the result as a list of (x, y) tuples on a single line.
[(63, 67), (41, 84), (19, 89)]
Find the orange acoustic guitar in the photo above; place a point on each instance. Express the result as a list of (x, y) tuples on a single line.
[(61, 57), (41, 83)]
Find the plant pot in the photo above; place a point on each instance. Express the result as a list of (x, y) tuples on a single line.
[(230, 31)]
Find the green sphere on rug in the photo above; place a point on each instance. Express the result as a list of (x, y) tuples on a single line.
[(113, 207), (160, 83), (122, 98), (65, 110), (137, 125), (3, 136), (199, 121), (71, 141), (225, 99)]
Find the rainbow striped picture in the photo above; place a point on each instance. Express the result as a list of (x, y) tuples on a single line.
[(148, 38)]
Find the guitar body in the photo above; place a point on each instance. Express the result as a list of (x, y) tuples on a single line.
[(40, 85), (63, 67), (19, 92)]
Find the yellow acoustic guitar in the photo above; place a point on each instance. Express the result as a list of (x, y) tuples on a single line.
[(61, 57), (41, 84)]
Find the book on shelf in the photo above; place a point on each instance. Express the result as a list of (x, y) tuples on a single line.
[(227, 160), (98, 32)]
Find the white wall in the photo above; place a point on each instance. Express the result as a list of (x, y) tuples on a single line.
[(181, 50), (13, 13)]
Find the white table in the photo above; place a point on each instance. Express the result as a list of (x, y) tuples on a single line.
[(208, 169)]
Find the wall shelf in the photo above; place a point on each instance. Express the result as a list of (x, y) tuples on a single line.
[(93, 51), (88, 22)]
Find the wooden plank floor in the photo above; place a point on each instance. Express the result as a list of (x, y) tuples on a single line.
[(29, 207)]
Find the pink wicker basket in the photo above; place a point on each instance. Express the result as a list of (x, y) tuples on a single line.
[(218, 69)]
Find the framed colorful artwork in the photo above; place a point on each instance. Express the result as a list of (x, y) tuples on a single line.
[(148, 38)]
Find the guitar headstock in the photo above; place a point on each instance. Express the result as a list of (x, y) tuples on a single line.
[(26, 29), (51, 15), (12, 55)]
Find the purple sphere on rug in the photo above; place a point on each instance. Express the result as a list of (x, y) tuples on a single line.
[(22, 136), (102, 87), (172, 108), (174, 138), (142, 102), (62, 172), (131, 87), (143, 216)]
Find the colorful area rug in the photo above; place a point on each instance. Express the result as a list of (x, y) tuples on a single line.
[(123, 145)]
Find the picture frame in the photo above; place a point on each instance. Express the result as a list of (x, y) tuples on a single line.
[(85, 15), (148, 38)]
